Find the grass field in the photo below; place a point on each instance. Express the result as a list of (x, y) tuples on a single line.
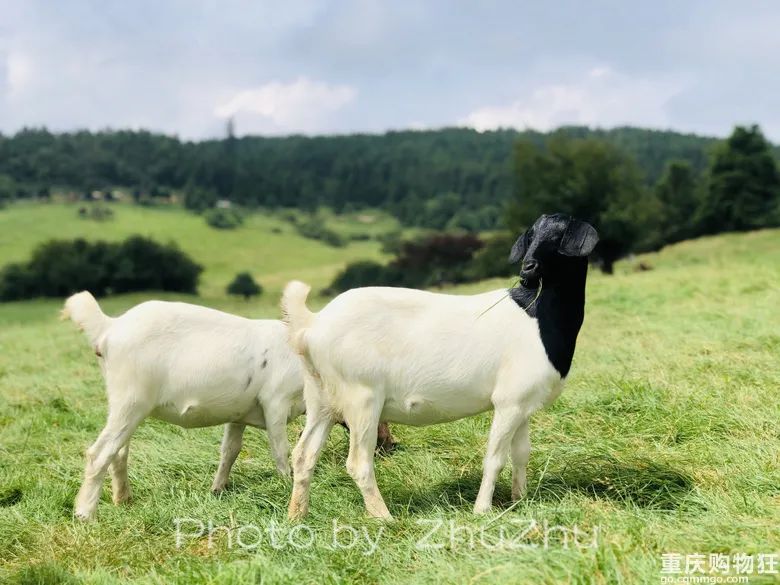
[(265, 245), (666, 439)]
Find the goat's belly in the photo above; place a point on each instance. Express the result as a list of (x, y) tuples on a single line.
[(195, 412), (420, 411)]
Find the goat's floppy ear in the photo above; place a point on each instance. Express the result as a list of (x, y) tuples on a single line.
[(518, 250), (579, 239)]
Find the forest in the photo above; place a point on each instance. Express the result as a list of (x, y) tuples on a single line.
[(643, 188), (400, 171)]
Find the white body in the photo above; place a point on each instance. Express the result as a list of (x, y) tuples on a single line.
[(195, 367), (417, 358), (191, 366)]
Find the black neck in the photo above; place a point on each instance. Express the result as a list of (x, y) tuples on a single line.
[(560, 309)]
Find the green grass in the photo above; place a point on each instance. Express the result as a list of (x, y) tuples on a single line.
[(265, 245), (666, 439)]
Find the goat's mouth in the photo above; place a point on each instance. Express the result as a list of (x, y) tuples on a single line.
[(530, 281)]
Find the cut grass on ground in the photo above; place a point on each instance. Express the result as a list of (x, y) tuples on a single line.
[(665, 440)]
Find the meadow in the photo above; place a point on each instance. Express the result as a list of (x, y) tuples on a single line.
[(666, 439)]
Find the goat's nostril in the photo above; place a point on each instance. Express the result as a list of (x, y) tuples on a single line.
[(529, 265)]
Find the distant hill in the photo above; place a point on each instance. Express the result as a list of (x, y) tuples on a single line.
[(463, 170)]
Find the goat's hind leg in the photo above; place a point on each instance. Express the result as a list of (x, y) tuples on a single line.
[(120, 486), (229, 450), (120, 426), (362, 416), (319, 421)]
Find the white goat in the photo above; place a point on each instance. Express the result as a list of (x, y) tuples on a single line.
[(419, 358), (191, 366)]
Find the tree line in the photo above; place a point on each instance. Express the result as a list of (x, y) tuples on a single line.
[(447, 178), (602, 184), (642, 188)]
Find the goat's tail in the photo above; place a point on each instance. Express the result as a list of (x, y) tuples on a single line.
[(295, 313), (84, 311)]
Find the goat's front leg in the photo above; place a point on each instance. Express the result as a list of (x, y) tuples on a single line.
[(231, 447), (521, 452), (506, 420)]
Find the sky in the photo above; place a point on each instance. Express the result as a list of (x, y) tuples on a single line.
[(185, 67)]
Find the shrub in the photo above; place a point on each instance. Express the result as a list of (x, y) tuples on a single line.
[(96, 213), (432, 260), (364, 273), (391, 242), (493, 260), (436, 259), (223, 219), (143, 264), (16, 282), (245, 286), (196, 199), (360, 237), (61, 267), (315, 229), (7, 187)]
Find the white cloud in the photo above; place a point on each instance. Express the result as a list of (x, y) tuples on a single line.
[(302, 105), (600, 97), (19, 72)]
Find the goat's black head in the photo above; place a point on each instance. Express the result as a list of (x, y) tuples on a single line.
[(550, 246)]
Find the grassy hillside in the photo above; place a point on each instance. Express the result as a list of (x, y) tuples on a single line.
[(265, 245), (665, 440)]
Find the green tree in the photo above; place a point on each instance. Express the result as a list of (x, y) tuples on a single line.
[(198, 199), (677, 196), (743, 192), (223, 219), (591, 180), (244, 285), (7, 188)]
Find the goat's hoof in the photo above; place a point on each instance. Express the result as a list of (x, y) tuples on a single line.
[(84, 516), (217, 489), (296, 512), (386, 448), (481, 509), (122, 497)]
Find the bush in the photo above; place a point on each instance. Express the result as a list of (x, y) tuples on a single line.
[(62, 267), (7, 188), (143, 264), (96, 213), (360, 237), (437, 259), (391, 242), (492, 261), (223, 219), (315, 229), (245, 286), (432, 260), (196, 199), (364, 273)]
